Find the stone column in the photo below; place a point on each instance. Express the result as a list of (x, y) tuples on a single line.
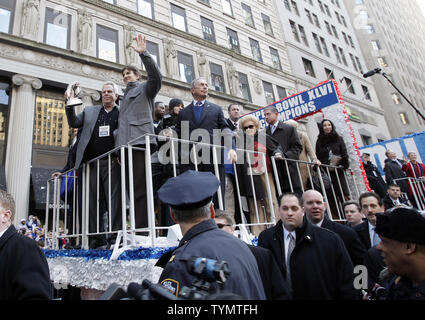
[(19, 144)]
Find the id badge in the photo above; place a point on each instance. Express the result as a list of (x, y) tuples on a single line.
[(103, 131)]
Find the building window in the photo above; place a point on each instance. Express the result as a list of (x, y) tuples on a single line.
[(341, 51), (267, 25), (335, 32), (308, 67), (366, 93), (321, 6), (244, 86), (351, 41), (153, 49), (382, 62), (295, 7), (344, 35), (327, 10), (145, 8), (403, 118), (316, 21), (338, 57), (7, 9), (111, 1), (344, 22), (249, 20), (57, 28), (375, 45), (186, 71), (308, 14), (367, 140), (227, 7), (396, 98), (107, 43), (329, 74), (268, 92), (294, 30), (217, 79), (337, 17), (282, 93), (178, 17), (208, 29), (354, 62), (359, 65), (317, 43), (255, 49), (303, 35), (324, 46), (349, 84), (50, 123), (275, 58), (207, 2), (369, 29), (328, 27), (233, 40)]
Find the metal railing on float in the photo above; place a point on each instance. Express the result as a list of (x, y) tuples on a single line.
[(416, 191), (68, 216)]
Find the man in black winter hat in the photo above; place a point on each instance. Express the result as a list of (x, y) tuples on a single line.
[(402, 233)]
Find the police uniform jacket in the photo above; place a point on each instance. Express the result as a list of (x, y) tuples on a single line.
[(321, 268), (136, 107), (205, 240), (24, 272)]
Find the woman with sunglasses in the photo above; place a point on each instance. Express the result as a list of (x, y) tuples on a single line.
[(255, 168)]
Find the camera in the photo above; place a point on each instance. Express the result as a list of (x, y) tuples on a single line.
[(209, 273)]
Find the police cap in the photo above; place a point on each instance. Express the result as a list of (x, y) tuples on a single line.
[(190, 190), (404, 224)]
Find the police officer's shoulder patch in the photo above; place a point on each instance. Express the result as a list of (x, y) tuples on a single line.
[(172, 285)]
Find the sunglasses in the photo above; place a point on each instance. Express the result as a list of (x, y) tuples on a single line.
[(222, 225), (249, 127)]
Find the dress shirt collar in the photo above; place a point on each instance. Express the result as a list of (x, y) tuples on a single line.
[(196, 101), (319, 224), (3, 232)]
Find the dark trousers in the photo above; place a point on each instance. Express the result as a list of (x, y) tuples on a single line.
[(96, 218), (139, 187), (160, 174), (285, 184)]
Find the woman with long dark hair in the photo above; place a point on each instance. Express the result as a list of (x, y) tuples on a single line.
[(331, 150)]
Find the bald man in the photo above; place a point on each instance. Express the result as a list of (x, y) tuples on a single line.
[(315, 208)]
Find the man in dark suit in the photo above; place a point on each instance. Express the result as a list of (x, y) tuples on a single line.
[(371, 203), (98, 124), (315, 211), (275, 286), (373, 175), (24, 272), (291, 147), (393, 171), (234, 111), (313, 260), (393, 197), (205, 115)]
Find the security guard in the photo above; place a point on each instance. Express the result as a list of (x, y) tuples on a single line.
[(402, 233), (189, 196)]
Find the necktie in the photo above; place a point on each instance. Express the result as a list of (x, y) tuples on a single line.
[(198, 103), (272, 128), (376, 239), (235, 124), (291, 247)]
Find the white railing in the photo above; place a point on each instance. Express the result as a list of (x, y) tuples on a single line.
[(416, 191), (77, 206)]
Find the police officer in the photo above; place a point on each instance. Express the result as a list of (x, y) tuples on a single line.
[(190, 198), (402, 233)]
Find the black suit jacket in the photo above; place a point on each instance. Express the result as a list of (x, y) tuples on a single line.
[(364, 235), (374, 262), (388, 203), (212, 118), (231, 125), (355, 247), (275, 286), (24, 272)]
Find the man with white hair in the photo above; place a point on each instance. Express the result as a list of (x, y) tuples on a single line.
[(24, 272), (393, 170), (98, 124)]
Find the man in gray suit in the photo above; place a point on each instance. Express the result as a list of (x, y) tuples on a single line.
[(135, 121), (98, 124)]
